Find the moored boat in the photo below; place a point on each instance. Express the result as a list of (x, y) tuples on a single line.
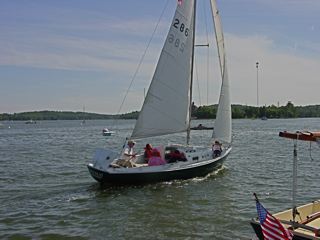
[(302, 221), (201, 127), (30, 122), (107, 132)]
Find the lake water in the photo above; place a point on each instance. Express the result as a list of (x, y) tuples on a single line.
[(48, 193)]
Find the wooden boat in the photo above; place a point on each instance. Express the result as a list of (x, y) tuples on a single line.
[(303, 221), (304, 135)]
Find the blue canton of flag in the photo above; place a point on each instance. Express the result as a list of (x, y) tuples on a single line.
[(271, 227)]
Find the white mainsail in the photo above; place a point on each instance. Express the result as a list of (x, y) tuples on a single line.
[(166, 107), (222, 125)]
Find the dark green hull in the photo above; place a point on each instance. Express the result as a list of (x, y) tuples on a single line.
[(186, 172)]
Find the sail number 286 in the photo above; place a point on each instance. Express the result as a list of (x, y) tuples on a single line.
[(176, 41), (181, 27)]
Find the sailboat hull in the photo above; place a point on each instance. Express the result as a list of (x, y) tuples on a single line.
[(162, 175)]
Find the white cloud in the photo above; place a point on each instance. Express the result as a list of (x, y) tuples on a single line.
[(283, 76), (114, 52)]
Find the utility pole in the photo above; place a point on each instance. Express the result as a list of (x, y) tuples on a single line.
[(257, 66)]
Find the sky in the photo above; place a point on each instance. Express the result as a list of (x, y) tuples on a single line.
[(80, 54)]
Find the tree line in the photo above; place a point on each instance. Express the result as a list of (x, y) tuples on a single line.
[(52, 115), (201, 112), (272, 111)]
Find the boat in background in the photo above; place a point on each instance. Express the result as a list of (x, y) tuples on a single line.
[(201, 127), (107, 132), (30, 122), (83, 122), (167, 110), (308, 225), (264, 118)]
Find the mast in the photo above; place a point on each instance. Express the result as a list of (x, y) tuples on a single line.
[(192, 62), (304, 136), (84, 115)]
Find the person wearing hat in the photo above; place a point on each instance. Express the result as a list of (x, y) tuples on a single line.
[(129, 150), (216, 149)]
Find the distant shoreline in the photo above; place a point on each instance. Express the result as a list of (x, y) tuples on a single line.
[(201, 112)]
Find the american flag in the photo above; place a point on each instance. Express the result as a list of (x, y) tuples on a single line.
[(179, 2), (271, 227)]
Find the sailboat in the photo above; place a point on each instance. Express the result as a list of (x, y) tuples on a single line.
[(84, 119), (107, 132), (303, 221), (167, 110)]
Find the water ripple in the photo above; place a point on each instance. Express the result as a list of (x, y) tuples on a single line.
[(47, 192)]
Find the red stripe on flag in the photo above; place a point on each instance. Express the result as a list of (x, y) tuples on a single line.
[(272, 229)]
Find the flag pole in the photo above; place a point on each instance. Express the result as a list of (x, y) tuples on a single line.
[(294, 179), (256, 197)]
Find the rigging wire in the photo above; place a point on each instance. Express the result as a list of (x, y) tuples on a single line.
[(207, 35), (197, 77), (207, 62), (141, 60), (310, 152)]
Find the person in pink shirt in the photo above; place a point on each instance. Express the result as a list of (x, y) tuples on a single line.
[(156, 159)]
